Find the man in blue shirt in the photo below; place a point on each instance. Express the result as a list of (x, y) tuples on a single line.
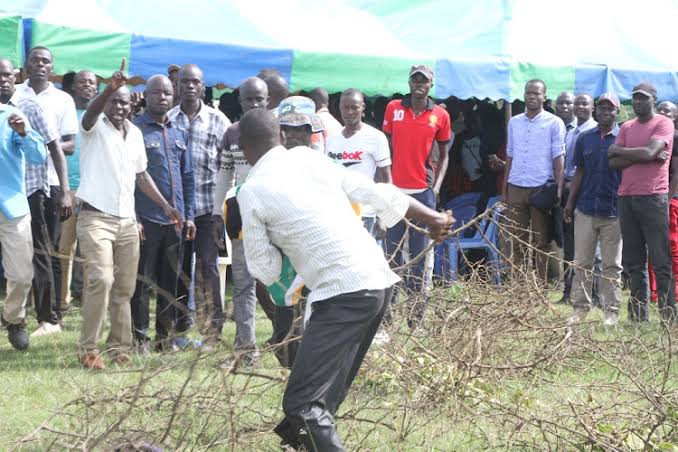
[(18, 144), (170, 165), (534, 156), (592, 205)]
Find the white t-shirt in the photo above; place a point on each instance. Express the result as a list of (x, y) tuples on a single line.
[(363, 152)]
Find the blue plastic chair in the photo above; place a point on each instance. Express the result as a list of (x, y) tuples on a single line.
[(485, 238), (464, 209)]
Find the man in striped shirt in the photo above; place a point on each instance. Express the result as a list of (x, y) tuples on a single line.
[(297, 203)]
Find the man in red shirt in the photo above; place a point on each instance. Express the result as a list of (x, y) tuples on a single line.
[(412, 125), (643, 152)]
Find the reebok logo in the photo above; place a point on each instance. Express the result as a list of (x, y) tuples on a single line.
[(357, 155)]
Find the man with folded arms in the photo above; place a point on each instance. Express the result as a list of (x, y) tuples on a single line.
[(643, 152)]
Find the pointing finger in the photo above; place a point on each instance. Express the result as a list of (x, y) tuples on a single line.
[(122, 65)]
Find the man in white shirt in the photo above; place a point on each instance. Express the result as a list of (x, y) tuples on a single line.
[(298, 203), (113, 162), (360, 147), (50, 204), (321, 99)]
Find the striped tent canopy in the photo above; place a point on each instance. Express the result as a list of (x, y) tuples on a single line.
[(482, 49)]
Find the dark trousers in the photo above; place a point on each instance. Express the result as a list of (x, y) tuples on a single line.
[(644, 223), (45, 228), (160, 257), (207, 288), (414, 277), (285, 328), (568, 251), (336, 339)]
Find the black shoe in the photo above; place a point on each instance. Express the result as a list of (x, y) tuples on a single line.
[(565, 299), (18, 336)]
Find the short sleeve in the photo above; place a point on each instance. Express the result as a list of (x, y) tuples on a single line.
[(142, 160), (382, 153), (69, 121), (387, 126), (621, 136), (664, 132), (444, 129), (578, 155)]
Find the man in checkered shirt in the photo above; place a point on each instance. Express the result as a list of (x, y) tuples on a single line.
[(206, 127)]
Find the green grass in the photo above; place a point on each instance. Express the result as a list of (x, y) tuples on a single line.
[(445, 410)]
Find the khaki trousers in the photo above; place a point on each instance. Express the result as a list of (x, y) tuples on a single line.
[(110, 251), (17, 260), (589, 231), (530, 225), (67, 245)]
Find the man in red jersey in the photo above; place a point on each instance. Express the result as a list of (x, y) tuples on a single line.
[(412, 125)]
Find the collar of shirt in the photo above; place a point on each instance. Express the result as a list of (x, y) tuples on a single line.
[(614, 132), (203, 113), (267, 156), (588, 124), (147, 120), (571, 125), (407, 102), (26, 90)]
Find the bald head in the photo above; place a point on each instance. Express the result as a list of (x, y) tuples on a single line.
[(190, 83), (320, 98), (565, 106), (259, 132), (159, 96), (253, 93), (6, 80), (277, 89), (118, 106), (668, 109)]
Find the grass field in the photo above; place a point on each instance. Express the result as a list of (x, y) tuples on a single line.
[(492, 369)]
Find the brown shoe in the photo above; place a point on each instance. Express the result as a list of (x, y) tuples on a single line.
[(121, 359), (92, 361)]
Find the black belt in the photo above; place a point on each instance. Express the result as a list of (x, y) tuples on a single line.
[(87, 206)]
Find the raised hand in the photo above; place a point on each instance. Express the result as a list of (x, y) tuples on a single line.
[(17, 123), (118, 79)]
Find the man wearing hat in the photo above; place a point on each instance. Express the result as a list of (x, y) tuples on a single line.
[(643, 152), (300, 124), (412, 125), (592, 207)]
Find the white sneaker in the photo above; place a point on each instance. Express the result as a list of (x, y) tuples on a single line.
[(46, 329), (611, 318), (381, 338)]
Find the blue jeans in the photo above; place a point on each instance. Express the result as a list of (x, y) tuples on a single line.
[(414, 278)]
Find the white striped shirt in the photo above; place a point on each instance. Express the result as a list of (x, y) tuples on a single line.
[(298, 202)]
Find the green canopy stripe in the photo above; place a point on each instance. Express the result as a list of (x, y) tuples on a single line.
[(336, 72), (11, 39), (557, 78), (74, 49)]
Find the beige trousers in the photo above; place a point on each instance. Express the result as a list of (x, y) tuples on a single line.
[(67, 245), (530, 225), (17, 260), (110, 251)]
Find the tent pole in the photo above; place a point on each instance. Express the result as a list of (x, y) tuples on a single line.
[(507, 112)]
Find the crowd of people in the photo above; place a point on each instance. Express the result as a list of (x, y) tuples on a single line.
[(142, 191)]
